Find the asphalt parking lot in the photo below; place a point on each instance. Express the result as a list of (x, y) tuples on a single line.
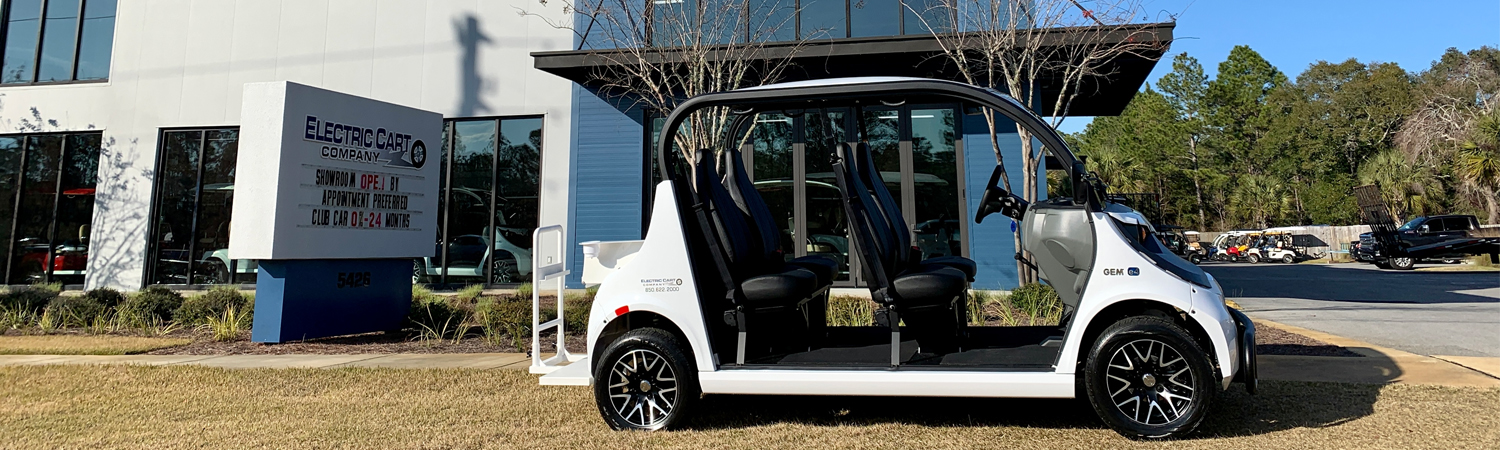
[(1429, 313)]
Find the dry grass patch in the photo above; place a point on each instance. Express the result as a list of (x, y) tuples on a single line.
[(76, 344), (191, 407)]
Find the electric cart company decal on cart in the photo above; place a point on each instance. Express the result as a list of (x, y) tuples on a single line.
[(718, 300)]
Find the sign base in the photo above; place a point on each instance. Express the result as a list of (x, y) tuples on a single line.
[(313, 298)]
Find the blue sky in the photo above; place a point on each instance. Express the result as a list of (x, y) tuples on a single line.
[(1295, 34)]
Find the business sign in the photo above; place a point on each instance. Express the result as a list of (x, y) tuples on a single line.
[(326, 175)]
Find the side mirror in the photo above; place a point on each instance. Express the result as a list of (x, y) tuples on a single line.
[(1424, 229)]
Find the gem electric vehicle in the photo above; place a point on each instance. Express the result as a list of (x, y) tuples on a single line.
[(709, 303)]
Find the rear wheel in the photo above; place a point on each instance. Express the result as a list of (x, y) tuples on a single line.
[(645, 381), (1147, 378), (418, 272), (1403, 263), (1195, 258), (1289, 259)]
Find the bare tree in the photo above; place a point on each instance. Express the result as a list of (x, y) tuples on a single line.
[(1021, 47), (658, 53)]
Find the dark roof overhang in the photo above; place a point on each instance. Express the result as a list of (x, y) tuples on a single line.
[(905, 56)]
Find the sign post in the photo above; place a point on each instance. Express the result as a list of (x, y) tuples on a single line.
[(335, 198)]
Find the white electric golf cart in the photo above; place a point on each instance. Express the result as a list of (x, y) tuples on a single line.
[(708, 303)]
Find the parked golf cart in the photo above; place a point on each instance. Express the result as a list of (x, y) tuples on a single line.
[(709, 304), (1233, 246), (470, 254), (1178, 242)]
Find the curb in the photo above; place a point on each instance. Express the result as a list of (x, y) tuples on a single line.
[(1379, 365)]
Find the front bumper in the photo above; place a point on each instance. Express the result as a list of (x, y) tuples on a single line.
[(1248, 371)]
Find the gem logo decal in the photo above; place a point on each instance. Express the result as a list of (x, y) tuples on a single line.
[(1134, 272)]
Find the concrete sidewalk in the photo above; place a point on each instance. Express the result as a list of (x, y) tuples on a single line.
[(512, 361)]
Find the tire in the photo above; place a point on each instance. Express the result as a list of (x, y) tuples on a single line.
[(1195, 259), (1289, 259), (1253, 258), (1120, 376), (504, 270), (1403, 263), (215, 273), (418, 272), (638, 370)]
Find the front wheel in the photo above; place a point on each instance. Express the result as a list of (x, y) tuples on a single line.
[(1403, 263), (1253, 258), (645, 381), (1147, 378), (1195, 259), (1289, 259)]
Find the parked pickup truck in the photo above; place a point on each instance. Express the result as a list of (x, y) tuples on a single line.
[(1429, 238)]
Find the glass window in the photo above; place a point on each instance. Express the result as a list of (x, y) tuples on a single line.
[(34, 210), (827, 227), (772, 157), (59, 40), (670, 19), (824, 19), (97, 41), (22, 28), (10, 163), (194, 200), (54, 175), (772, 20), (490, 206), (934, 159), (881, 129), (874, 18), (923, 16), (67, 52)]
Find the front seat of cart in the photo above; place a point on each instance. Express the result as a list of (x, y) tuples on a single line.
[(929, 298), (886, 208), (762, 293)]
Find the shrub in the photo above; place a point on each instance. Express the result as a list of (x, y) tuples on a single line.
[(978, 301), (198, 309), (32, 298), (110, 298), (508, 317), (12, 318), (848, 311), (1037, 300), (434, 316), (75, 310), (524, 290), (576, 313), (228, 325), (155, 304)]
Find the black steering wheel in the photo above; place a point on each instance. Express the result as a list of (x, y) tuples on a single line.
[(997, 199)]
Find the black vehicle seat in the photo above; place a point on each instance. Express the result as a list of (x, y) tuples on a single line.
[(767, 235), (929, 298), (756, 284), (886, 206), (764, 282)]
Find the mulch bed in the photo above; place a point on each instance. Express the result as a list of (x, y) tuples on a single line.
[(1275, 341), (368, 343)]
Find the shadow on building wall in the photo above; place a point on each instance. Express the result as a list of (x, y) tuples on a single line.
[(472, 84)]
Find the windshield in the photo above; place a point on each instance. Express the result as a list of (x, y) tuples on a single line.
[(1412, 225)]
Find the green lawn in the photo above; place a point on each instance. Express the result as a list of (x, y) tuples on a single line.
[(73, 344), (192, 407)]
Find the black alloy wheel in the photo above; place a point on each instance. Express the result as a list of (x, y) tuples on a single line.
[(1148, 379), (418, 272), (645, 381)]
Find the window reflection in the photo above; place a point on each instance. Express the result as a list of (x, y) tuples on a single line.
[(23, 24), (935, 179), (54, 176), (824, 19), (491, 203), (827, 227), (194, 199), (44, 41), (771, 154), (874, 18)]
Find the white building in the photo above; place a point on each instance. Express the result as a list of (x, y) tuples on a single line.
[(144, 97)]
